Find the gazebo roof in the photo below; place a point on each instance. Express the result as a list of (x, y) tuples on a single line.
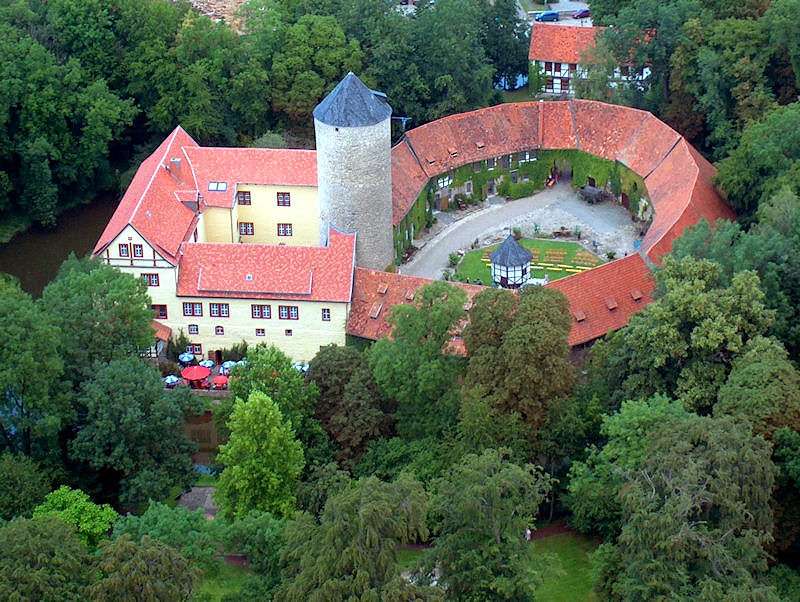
[(511, 253)]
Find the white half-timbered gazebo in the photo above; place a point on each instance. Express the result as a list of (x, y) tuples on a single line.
[(511, 264)]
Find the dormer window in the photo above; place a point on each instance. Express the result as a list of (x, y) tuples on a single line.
[(217, 186)]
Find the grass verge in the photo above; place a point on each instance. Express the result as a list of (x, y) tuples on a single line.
[(573, 583)]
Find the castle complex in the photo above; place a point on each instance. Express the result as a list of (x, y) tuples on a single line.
[(291, 247)]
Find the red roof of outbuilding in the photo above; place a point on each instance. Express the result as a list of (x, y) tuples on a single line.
[(254, 271), (268, 166), (162, 331), (561, 43), (605, 297)]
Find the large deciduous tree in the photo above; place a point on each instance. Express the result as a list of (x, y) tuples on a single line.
[(696, 517), (483, 506), (43, 559), (520, 360), (262, 460), (133, 428), (352, 552), (148, 571), (75, 508), (103, 314), (30, 365), (414, 368), (315, 55), (683, 344), (23, 486)]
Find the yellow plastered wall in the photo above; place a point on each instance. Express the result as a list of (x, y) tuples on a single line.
[(309, 332), (217, 221), (265, 214)]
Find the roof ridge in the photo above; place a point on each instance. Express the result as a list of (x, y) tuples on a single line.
[(573, 123)]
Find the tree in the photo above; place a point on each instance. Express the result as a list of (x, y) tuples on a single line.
[(262, 460), (320, 483), (103, 314), (522, 368), (352, 552), (683, 344), (259, 536), (42, 559), (763, 388), (483, 506), (134, 429), (147, 571), (696, 517), (481, 426), (315, 55), (73, 507), (30, 364), (349, 402), (413, 368), (23, 486), (768, 151), (595, 483), (786, 497), (270, 371), (187, 531), (505, 41)]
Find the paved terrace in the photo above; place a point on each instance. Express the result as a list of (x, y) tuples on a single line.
[(608, 224)]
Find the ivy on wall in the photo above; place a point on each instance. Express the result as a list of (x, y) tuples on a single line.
[(420, 216)]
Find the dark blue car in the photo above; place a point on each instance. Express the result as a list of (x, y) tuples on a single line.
[(549, 15), (583, 13)]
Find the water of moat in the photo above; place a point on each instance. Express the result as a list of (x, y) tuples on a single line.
[(35, 256)]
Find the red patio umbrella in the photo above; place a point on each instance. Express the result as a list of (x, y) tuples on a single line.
[(195, 373), (220, 380)]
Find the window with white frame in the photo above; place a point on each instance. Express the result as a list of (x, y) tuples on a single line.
[(287, 332), (260, 332), (491, 163), (192, 309), (138, 250), (217, 186), (195, 348), (124, 250), (219, 310), (159, 311), (243, 197), (288, 312), (263, 312), (246, 229), (284, 199), (284, 229), (219, 330), (150, 279), (326, 314), (444, 181), (194, 329)]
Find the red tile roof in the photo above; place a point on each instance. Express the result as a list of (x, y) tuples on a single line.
[(604, 298), (254, 271), (162, 331), (678, 179), (374, 295), (268, 166), (149, 204), (561, 43)]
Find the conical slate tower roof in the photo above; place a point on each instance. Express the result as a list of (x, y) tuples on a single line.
[(352, 104), (511, 254)]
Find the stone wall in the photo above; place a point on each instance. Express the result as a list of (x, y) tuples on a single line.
[(355, 188)]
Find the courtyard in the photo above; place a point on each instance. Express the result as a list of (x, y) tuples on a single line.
[(605, 230), (552, 259)]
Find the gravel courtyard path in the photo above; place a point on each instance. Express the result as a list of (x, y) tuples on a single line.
[(605, 227)]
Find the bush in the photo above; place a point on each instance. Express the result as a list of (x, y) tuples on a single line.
[(176, 345), (259, 536), (236, 353), (189, 532), (517, 232), (611, 255), (453, 259), (75, 508), (167, 367), (22, 486)]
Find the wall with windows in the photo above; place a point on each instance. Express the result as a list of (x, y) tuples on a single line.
[(278, 215), (234, 321)]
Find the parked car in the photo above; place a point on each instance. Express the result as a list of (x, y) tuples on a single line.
[(549, 15), (583, 13)]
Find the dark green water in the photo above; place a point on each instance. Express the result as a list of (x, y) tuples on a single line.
[(34, 256)]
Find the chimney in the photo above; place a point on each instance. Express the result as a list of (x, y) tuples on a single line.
[(175, 166)]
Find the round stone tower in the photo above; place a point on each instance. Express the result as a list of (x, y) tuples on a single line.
[(354, 169)]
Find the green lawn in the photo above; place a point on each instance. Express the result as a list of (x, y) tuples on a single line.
[(518, 95), (206, 480), (573, 583), (228, 580), (553, 252)]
